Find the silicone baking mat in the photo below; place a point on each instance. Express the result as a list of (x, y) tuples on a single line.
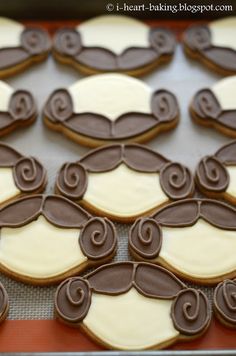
[(186, 144)]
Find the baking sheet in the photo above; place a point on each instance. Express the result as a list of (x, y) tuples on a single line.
[(186, 144)]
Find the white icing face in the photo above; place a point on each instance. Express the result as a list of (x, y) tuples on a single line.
[(225, 91), (5, 94), (8, 188), (114, 32), (110, 95), (10, 33), (40, 249), (232, 179), (201, 250), (223, 32), (148, 322), (123, 192)]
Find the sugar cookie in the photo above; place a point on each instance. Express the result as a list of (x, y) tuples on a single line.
[(124, 181), (113, 43), (132, 306)]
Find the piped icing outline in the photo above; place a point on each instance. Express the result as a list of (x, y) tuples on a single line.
[(35, 43), (72, 178), (224, 302), (149, 280), (21, 111), (28, 173), (211, 172), (145, 235), (67, 43), (197, 39), (59, 110), (206, 107)]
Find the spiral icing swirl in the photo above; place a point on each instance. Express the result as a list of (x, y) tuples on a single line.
[(198, 37), (59, 106), (225, 301), (212, 175), (164, 106), (72, 180), (29, 174), (98, 238), (206, 105), (176, 181), (68, 42), (162, 41), (35, 41), (190, 312), (145, 238), (72, 300), (22, 105)]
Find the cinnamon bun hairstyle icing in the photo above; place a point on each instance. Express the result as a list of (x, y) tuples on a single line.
[(224, 302), (34, 226), (19, 174), (101, 44), (17, 108), (191, 237), (133, 293), (124, 181), (21, 46), (108, 108), (215, 106), (215, 175), (213, 44)]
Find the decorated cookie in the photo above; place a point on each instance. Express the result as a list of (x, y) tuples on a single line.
[(4, 303), (216, 107), (110, 107), (213, 44), (224, 302), (216, 175), (19, 174), (17, 108), (45, 239), (20, 46), (124, 181), (194, 238), (132, 306), (113, 43)]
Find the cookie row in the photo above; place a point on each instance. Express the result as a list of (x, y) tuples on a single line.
[(116, 108), (114, 302), (116, 43), (143, 179), (179, 236)]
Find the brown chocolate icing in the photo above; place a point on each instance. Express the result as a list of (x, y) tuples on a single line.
[(190, 312), (224, 301), (21, 108), (206, 106), (146, 238), (212, 175), (211, 172), (28, 173), (227, 154), (4, 302), (198, 40), (34, 42), (97, 238), (190, 308), (59, 109), (147, 243), (68, 43), (176, 180)]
